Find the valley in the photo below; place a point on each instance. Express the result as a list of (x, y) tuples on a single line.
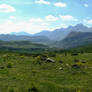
[(38, 64)]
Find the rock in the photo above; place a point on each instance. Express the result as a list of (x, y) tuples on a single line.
[(50, 60), (60, 68)]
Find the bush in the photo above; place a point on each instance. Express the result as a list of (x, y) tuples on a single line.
[(33, 89), (9, 65), (76, 60), (11, 90), (52, 55)]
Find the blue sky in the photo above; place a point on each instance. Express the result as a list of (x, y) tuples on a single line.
[(33, 16)]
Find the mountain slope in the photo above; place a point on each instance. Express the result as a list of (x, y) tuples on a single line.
[(21, 46), (43, 33), (36, 39), (75, 39), (20, 33), (60, 34)]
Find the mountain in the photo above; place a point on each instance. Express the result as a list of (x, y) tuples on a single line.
[(43, 33), (35, 39), (20, 33), (57, 34), (70, 37), (75, 39), (60, 34), (21, 46)]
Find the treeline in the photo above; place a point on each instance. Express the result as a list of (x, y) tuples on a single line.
[(29, 47)]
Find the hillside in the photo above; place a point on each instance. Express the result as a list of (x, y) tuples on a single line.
[(83, 49), (70, 37), (75, 39), (62, 33), (35, 39), (21, 46)]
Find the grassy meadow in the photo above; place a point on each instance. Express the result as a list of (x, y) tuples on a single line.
[(32, 73)]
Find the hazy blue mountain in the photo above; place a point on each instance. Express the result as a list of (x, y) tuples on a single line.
[(64, 37), (60, 34), (75, 39), (36, 39), (20, 33), (43, 33)]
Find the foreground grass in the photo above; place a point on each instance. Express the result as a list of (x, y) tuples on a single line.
[(22, 73)]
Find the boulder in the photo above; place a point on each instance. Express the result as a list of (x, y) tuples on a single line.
[(50, 60)]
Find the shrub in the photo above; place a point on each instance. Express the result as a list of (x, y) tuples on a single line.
[(11, 90), (33, 89), (76, 60), (9, 65), (52, 55)]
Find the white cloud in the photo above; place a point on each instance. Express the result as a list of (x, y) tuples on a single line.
[(89, 21), (12, 17), (36, 20), (51, 18), (42, 2), (5, 8), (60, 4), (63, 26), (86, 5), (30, 26), (68, 18)]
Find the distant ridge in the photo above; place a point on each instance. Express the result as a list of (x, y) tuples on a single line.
[(20, 33), (70, 37), (75, 39), (60, 34)]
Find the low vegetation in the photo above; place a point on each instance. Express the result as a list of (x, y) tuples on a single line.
[(28, 72), (30, 67)]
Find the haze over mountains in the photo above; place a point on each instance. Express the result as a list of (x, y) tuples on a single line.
[(20, 33), (58, 34), (63, 38)]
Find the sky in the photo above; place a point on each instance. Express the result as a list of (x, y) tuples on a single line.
[(33, 16)]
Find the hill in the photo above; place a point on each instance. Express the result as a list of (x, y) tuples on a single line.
[(34, 39), (75, 39), (62, 33), (21, 46)]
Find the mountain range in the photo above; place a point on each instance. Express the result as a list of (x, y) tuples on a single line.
[(69, 37), (75, 39), (60, 34), (20, 33)]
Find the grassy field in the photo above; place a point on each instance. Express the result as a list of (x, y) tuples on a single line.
[(30, 73)]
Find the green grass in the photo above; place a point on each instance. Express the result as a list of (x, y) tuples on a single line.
[(23, 73)]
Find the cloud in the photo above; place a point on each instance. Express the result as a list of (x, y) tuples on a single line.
[(12, 17), (68, 18), (30, 26), (51, 18), (60, 4), (86, 5), (63, 26), (42, 2), (5, 8), (87, 21), (36, 20)]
